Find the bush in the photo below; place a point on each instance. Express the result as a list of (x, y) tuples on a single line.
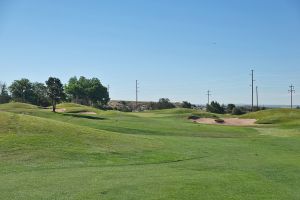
[(230, 108), (215, 107), (163, 103), (186, 104), (237, 111), (193, 117), (219, 120)]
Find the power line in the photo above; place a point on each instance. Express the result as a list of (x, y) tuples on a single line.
[(208, 95), (291, 91)]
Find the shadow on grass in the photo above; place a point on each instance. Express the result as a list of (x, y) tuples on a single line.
[(83, 116)]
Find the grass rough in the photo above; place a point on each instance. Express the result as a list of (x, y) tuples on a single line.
[(147, 155)]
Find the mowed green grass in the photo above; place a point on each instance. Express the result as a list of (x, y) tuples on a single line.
[(147, 155)]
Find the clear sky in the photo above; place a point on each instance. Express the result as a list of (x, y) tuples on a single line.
[(175, 48)]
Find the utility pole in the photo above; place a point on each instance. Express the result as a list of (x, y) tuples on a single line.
[(257, 97), (208, 95), (252, 80), (136, 94), (291, 90)]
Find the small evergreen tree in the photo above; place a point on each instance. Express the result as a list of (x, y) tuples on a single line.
[(215, 107), (237, 111), (4, 96), (230, 108), (186, 104)]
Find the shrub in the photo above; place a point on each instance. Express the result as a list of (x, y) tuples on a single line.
[(215, 107), (230, 108), (186, 104), (163, 103), (219, 120), (237, 111), (193, 117)]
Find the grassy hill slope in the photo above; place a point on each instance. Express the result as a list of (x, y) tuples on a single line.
[(284, 117), (148, 155)]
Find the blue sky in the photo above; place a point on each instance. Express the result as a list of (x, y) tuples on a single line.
[(176, 49)]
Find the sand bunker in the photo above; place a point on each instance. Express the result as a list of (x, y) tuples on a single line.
[(88, 113), (227, 121), (60, 110)]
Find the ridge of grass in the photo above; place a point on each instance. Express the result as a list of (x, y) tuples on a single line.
[(147, 155)]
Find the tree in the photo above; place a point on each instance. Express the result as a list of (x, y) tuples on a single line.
[(55, 91), (186, 104), (83, 87), (87, 91), (97, 93), (215, 107), (163, 103), (21, 90), (72, 89), (4, 96), (24, 91), (40, 97), (237, 111), (230, 107)]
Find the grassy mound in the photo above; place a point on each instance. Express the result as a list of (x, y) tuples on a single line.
[(38, 142), (17, 105), (76, 108), (147, 155), (285, 117)]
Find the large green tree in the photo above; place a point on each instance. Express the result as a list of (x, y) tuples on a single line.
[(40, 96), (97, 93), (21, 90), (72, 89), (55, 91), (83, 92), (87, 91)]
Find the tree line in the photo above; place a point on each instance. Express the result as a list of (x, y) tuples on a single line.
[(91, 92), (215, 107), (83, 90)]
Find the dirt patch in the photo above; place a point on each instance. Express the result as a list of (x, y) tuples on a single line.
[(227, 121), (60, 110), (87, 113)]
